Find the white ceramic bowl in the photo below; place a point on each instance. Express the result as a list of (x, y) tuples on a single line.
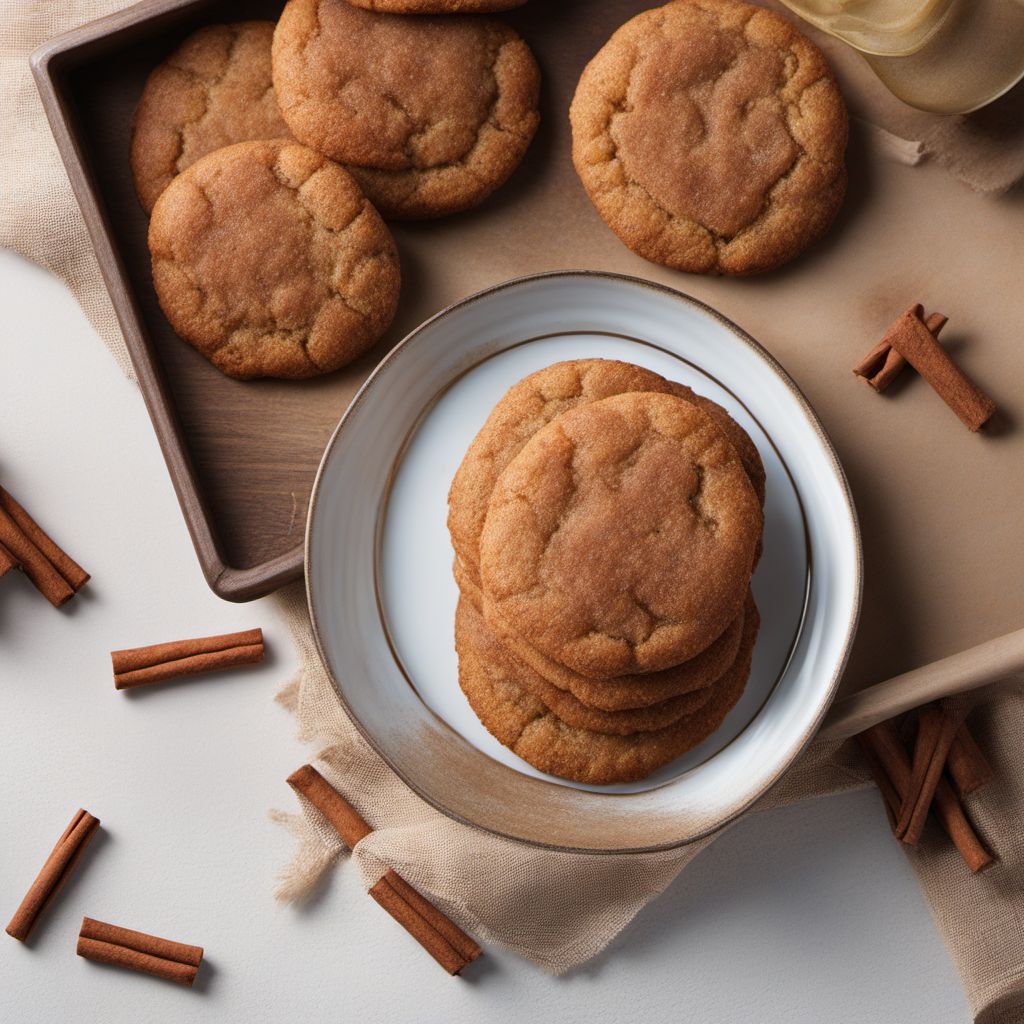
[(382, 597)]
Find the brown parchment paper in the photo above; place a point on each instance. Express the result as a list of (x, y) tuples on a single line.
[(940, 508)]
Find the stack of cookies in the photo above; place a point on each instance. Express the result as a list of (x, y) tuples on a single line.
[(606, 523), (268, 155)]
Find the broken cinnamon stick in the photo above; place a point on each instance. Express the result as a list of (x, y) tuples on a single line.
[(967, 765), (883, 364), (139, 951), (888, 748), (915, 343), (55, 872), (441, 937), (53, 573), (142, 666), (936, 728)]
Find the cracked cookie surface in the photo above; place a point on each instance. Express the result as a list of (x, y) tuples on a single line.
[(621, 539), (621, 693), (710, 135), (490, 680), (270, 261), (431, 114), (532, 403), (215, 89)]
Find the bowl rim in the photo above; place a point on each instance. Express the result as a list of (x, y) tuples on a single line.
[(828, 447)]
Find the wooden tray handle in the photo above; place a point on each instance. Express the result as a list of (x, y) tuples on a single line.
[(969, 670)]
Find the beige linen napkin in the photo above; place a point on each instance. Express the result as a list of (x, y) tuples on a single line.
[(586, 900)]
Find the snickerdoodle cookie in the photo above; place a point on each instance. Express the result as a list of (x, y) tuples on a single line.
[(490, 679), (621, 539), (213, 90), (621, 693), (270, 261), (575, 712), (438, 6), (710, 135), (432, 114), (535, 401)]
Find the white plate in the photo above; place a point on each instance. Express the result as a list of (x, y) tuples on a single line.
[(382, 597)]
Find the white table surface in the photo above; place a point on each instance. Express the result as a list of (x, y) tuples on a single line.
[(806, 914)]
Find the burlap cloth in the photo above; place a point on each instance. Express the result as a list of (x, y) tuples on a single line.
[(557, 909)]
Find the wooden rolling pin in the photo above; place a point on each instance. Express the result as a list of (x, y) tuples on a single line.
[(978, 666)]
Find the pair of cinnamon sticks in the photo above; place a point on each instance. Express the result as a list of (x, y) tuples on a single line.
[(157, 663), (441, 937), (97, 940), (25, 545), (946, 765), (913, 339)]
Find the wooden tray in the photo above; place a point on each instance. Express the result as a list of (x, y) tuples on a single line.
[(242, 455)]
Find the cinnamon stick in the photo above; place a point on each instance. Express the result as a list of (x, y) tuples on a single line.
[(967, 765), (935, 731), (441, 937), (883, 364), (423, 929), (330, 803), (888, 748), (916, 344), (142, 666), (55, 872), (139, 951), (53, 572)]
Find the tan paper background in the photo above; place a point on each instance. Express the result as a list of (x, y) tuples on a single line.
[(940, 508)]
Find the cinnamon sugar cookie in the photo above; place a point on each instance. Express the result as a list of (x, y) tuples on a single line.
[(213, 90), (535, 401), (490, 679), (269, 260), (432, 114), (582, 716), (621, 693), (710, 135), (621, 539)]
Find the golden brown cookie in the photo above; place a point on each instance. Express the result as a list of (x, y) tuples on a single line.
[(535, 401), (432, 114), (710, 135), (490, 680), (621, 693), (621, 539), (582, 716), (438, 6), (212, 91), (270, 261)]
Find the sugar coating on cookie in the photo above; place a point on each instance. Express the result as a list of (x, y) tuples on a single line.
[(432, 114), (490, 680), (531, 404), (438, 6), (710, 135), (620, 693), (622, 537), (215, 89), (269, 260)]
